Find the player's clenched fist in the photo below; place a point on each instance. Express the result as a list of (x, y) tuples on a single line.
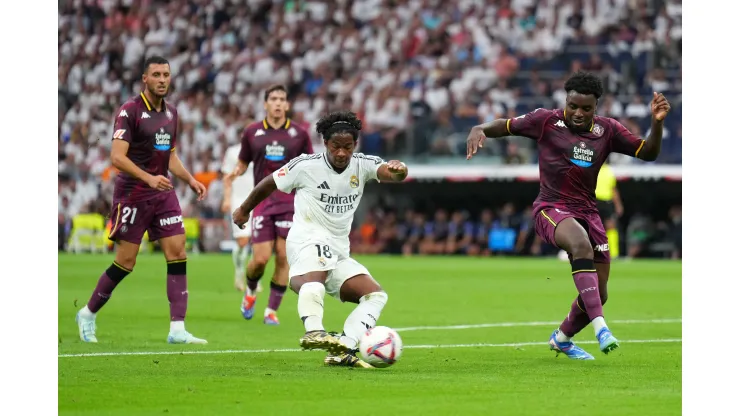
[(659, 106), (240, 217), (397, 167), (160, 183)]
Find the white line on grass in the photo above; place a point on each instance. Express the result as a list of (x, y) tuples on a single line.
[(535, 323), (519, 344)]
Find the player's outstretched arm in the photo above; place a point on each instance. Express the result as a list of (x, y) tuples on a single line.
[(393, 171), (478, 134), (179, 170), (120, 160), (258, 194), (660, 107)]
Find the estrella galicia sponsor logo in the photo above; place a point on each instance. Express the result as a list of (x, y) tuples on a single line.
[(162, 140), (582, 155), (171, 220), (274, 152)]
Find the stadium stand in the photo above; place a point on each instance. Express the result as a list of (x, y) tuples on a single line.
[(418, 72)]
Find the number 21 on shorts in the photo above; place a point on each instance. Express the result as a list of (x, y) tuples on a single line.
[(323, 251), (128, 211)]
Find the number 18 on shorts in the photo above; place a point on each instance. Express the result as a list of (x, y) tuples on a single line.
[(312, 256)]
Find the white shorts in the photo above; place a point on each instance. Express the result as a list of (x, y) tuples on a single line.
[(315, 255)]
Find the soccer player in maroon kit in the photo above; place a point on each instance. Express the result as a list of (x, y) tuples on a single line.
[(144, 199), (573, 143), (270, 144)]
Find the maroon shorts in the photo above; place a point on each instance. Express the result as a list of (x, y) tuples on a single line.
[(547, 219), (268, 227), (161, 216)]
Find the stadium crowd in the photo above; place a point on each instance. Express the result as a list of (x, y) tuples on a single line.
[(418, 72), (503, 230)]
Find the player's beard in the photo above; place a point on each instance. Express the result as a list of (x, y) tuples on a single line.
[(154, 92)]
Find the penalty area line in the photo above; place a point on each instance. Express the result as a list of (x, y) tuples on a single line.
[(260, 351)]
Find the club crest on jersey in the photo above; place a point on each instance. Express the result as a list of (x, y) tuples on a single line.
[(354, 182), (169, 114), (274, 152), (582, 155), (292, 132), (162, 140), (322, 261), (598, 131)]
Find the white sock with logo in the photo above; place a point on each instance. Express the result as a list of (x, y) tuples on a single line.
[(365, 316)]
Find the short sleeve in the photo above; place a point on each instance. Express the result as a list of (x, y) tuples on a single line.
[(528, 125), (369, 166), (290, 176), (245, 154), (624, 142), (123, 125)]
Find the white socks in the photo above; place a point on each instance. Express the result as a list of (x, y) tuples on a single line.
[(561, 337), (239, 257), (177, 326), (311, 305), (87, 313), (598, 323), (365, 315)]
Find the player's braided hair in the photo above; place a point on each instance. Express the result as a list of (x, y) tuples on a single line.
[(585, 83), (339, 122)]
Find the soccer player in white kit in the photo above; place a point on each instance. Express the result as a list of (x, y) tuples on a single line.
[(236, 190), (328, 188)]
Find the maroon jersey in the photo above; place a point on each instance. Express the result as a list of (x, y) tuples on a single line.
[(570, 161), (151, 136), (269, 149)]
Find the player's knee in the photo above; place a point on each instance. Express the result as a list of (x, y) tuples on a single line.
[(582, 250), (260, 259), (242, 242)]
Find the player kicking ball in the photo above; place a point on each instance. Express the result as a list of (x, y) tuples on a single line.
[(573, 143), (144, 200), (328, 188)]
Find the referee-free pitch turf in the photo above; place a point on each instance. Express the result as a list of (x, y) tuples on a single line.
[(474, 333)]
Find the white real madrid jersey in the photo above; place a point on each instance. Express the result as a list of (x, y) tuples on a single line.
[(242, 185), (325, 201)]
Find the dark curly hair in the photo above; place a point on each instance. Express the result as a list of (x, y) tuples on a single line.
[(339, 122), (585, 83)]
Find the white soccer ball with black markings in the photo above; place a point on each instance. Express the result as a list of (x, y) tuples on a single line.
[(381, 347)]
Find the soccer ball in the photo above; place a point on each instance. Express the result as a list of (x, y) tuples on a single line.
[(381, 346)]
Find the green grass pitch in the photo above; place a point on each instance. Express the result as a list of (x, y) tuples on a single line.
[(495, 362)]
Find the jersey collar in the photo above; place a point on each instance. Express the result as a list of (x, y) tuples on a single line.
[(148, 105), (267, 126)]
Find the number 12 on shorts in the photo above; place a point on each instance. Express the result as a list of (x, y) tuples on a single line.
[(325, 251)]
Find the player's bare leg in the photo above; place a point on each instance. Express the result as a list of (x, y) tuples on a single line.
[(310, 289), (572, 237), (177, 289), (122, 265), (239, 255), (370, 299), (261, 253), (279, 283)]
